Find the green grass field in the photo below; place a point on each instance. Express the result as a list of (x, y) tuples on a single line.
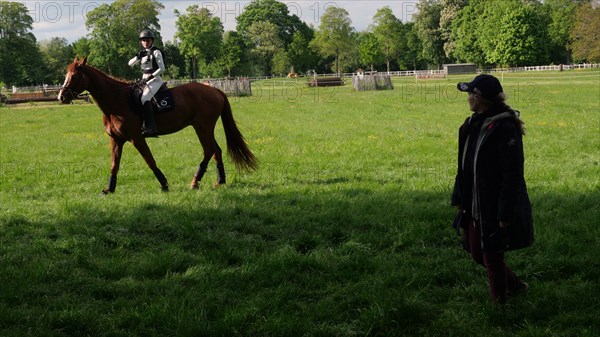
[(344, 230)]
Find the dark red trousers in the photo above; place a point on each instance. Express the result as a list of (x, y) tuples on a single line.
[(502, 280)]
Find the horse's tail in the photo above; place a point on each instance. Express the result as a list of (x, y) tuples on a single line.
[(237, 148)]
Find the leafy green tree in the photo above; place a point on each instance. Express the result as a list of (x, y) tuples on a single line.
[(265, 44), (15, 21), (561, 16), (465, 35), (20, 59), (513, 33), (115, 29), (450, 10), (172, 72), (57, 54), (175, 61), (334, 36), (388, 31), (501, 33), (427, 25), (370, 50), (410, 57), (232, 51), (271, 11), (281, 62), (102, 51), (586, 45), (81, 47), (301, 56), (350, 59), (200, 35)]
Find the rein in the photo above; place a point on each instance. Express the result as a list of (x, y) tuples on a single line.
[(130, 85)]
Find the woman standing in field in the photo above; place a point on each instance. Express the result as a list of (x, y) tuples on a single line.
[(490, 190)]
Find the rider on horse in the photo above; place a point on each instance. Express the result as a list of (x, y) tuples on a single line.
[(153, 66)]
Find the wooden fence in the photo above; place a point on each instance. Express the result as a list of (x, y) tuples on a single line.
[(45, 94), (329, 81)]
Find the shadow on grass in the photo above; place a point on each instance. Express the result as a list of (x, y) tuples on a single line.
[(327, 261)]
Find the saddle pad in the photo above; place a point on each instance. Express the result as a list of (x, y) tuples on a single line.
[(164, 100)]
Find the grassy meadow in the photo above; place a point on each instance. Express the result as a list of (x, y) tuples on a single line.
[(345, 230)]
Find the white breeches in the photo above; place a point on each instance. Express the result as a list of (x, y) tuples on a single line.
[(150, 90)]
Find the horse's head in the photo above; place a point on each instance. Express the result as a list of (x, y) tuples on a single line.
[(75, 81)]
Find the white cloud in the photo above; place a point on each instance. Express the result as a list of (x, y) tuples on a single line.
[(60, 18), (67, 18)]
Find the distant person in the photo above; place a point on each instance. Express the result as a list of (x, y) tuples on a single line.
[(153, 66), (489, 190)]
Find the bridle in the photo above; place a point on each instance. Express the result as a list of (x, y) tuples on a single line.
[(66, 89)]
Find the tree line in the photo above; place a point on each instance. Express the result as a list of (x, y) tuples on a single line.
[(268, 40)]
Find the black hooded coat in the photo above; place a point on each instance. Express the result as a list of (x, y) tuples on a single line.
[(490, 185)]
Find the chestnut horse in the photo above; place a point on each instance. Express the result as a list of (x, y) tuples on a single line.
[(196, 104)]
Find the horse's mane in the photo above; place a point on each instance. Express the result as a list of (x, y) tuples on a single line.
[(73, 66), (100, 72)]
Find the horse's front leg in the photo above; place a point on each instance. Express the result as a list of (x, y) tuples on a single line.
[(116, 149), (142, 147)]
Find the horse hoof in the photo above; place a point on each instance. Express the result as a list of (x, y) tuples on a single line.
[(165, 189), (194, 187), (106, 191)]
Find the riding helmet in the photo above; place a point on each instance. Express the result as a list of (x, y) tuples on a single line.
[(146, 34)]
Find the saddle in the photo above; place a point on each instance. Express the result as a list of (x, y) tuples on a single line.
[(163, 100)]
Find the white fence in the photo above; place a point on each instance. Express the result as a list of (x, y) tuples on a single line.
[(412, 73), (559, 67)]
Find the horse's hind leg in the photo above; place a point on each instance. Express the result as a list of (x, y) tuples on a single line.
[(220, 167), (199, 174), (207, 140)]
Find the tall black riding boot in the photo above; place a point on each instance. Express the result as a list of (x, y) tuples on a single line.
[(149, 128)]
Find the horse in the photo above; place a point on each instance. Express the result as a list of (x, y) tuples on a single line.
[(197, 105)]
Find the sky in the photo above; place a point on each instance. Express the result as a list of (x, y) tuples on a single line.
[(66, 18)]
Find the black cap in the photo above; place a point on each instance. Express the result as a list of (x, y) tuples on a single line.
[(484, 85)]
